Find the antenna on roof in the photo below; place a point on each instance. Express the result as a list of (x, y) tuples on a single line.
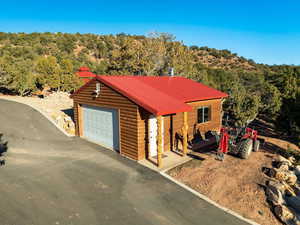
[(171, 72)]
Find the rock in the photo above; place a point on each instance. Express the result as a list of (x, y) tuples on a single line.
[(71, 131), (72, 124), (283, 166), (64, 121), (292, 179), (278, 185), (274, 192), (297, 171), (288, 176), (67, 118), (282, 159), (285, 214), (271, 172), (60, 123), (289, 191), (59, 118), (292, 159)]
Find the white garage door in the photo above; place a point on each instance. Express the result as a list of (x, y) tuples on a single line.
[(101, 125)]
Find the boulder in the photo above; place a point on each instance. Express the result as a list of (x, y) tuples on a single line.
[(297, 171), (274, 192), (292, 179), (271, 172), (282, 159), (285, 214), (67, 118), (277, 185), (283, 166), (64, 121), (292, 159), (71, 131), (288, 176)]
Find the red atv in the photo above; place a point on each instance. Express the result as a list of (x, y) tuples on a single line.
[(238, 141)]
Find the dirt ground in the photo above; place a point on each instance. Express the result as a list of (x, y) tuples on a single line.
[(234, 183)]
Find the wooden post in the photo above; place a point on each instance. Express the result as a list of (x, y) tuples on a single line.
[(79, 120), (159, 141), (185, 133)]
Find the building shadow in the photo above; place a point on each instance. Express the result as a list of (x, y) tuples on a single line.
[(6, 91), (3, 149), (271, 148), (70, 113), (267, 130), (195, 156), (3, 145)]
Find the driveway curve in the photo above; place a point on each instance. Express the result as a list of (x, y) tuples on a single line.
[(53, 179)]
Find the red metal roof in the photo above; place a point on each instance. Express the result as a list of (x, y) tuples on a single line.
[(84, 68), (160, 95), (182, 88), (84, 72)]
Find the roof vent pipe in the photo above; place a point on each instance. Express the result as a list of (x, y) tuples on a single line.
[(171, 72)]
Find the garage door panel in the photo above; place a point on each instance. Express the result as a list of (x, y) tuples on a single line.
[(101, 125)]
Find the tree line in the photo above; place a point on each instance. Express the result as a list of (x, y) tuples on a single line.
[(32, 62)]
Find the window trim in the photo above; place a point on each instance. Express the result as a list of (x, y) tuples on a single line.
[(203, 114)]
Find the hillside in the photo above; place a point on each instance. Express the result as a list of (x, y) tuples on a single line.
[(222, 59), (32, 62), (100, 49)]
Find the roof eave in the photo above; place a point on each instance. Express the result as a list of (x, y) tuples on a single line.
[(164, 113)]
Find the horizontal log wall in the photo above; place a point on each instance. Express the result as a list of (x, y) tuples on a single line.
[(128, 113), (143, 142)]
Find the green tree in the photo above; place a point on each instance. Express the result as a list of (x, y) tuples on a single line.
[(270, 100), (69, 80), (48, 72)]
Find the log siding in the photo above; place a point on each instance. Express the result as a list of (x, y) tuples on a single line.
[(128, 114)]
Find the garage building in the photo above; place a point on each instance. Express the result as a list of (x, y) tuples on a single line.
[(139, 116)]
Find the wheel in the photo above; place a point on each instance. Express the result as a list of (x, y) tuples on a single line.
[(245, 148), (256, 146)]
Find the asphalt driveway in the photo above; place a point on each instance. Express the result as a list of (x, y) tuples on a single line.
[(52, 179)]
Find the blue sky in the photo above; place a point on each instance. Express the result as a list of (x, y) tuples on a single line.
[(266, 31)]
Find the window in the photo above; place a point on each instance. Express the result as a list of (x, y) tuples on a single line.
[(203, 114)]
